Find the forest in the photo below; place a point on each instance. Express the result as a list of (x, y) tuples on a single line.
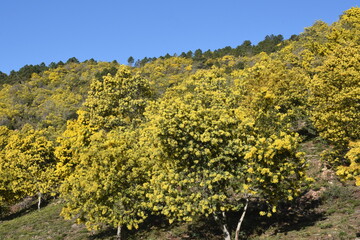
[(203, 134)]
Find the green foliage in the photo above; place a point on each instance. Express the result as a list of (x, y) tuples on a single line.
[(130, 60), (24, 74), (72, 60), (3, 77), (270, 44)]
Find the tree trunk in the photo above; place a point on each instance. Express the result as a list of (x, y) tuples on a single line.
[(39, 200), (118, 234), (241, 220), (223, 225)]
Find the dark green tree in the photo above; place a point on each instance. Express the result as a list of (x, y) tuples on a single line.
[(189, 54), (198, 55), (72, 60), (130, 61), (270, 44)]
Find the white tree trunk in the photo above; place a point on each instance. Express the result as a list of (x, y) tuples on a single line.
[(118, 234), (241, 220), (223, 226), (39, 200)]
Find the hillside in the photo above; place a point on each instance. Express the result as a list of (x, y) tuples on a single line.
[(254, 142), (334, 215)]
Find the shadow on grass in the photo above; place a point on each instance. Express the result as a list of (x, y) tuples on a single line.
[(27, 205), (205, 228), (158, 227), (106, 233), (290, 216), (152, 223)]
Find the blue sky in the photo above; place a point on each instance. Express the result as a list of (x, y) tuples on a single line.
[(38, 31)]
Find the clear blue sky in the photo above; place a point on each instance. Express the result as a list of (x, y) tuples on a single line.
[(35, 31)]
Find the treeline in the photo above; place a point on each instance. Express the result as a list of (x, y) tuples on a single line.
[(270, 44), (183, 136), (24, 74)]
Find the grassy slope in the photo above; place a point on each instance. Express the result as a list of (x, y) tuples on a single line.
[(332, 212), (336, 215), (43, 224)]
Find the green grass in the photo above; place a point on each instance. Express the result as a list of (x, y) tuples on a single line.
[(336, 217), (340, 219), (43, 224)]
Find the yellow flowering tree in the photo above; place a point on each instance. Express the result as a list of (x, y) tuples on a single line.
[(213, 155), (7, 195), (100, 161), (284, 85), (352, 171), (117, 100), (105, 187), (72, 141), (335, 95), (29, 163), (163, 73), (113, 101)]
